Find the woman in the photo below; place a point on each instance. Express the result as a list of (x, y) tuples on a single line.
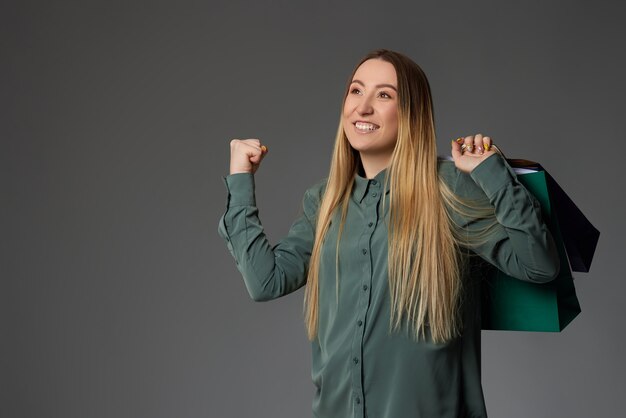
[(387, 249)]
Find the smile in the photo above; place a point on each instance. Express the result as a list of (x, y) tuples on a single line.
[(365, 127)]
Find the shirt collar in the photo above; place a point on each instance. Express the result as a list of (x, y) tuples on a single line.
[(362, 184)]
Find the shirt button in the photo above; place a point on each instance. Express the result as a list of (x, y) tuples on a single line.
[(364, 251), (359, 322), (370, 224), (355, 360), (374, 182), (364, 287), (374, 194), (358, 400)]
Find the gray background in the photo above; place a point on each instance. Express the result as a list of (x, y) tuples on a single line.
[(118, 297)]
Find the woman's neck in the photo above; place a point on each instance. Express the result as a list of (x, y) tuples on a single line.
[(372, 165)]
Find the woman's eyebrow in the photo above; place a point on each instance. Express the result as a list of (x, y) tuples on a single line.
[(378, 86)]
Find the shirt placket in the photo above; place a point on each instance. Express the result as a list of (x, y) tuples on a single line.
[(369, 213)]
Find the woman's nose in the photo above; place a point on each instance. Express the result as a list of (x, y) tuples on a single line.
[(365, 107)]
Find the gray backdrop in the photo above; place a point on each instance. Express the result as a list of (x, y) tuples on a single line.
[(119, 299)]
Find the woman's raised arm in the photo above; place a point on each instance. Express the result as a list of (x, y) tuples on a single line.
[(521, 245), (268, 271)]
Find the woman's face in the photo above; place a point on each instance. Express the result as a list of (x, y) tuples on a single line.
[(370, 112)]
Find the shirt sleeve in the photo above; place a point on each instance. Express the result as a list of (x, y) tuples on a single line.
[(521, 245), (268, 271)]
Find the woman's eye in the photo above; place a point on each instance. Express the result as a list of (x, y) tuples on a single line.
[(382, 93)]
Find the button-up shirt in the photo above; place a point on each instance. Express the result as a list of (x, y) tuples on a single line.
[(360, 368)]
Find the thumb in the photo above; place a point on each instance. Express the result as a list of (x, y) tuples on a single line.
[(456, 150), (255, 159)]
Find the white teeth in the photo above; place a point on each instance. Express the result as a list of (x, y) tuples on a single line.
[(366, 126)]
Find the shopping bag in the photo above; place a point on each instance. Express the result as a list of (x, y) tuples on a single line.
[(516, 305)]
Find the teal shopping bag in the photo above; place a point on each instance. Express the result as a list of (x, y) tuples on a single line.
[(512, 304)]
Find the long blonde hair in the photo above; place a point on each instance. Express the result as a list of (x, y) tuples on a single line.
[(424, 260)]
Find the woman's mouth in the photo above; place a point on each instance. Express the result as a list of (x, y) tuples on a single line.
[(364, 127)]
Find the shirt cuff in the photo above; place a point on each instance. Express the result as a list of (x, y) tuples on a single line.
[(492, 174), (240, 188)]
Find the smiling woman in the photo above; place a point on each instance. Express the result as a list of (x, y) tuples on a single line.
[(384, 247)]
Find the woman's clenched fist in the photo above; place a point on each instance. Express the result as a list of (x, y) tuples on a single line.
[(246, 155)]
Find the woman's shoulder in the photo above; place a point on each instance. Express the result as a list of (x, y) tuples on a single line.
[(316, 191)]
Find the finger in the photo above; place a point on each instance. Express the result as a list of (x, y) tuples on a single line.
[(478, 143), (256, 144), (252, 143), (256, 158), (246, 143), (253, 150), (487, 143), (263, 150), (456, 149), (468, 141)]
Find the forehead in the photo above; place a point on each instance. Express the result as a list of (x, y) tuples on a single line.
[(376, 71)]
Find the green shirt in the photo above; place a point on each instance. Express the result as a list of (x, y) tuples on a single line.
[(359, 369)]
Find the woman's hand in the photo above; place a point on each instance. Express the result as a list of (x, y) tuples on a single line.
[(246, 155), (470, 151)]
